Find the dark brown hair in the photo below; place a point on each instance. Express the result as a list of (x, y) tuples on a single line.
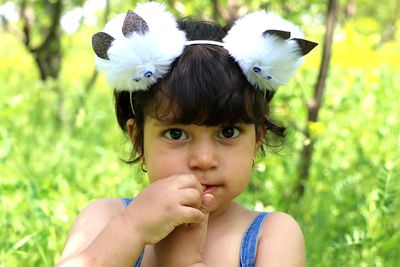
[(205, 86)]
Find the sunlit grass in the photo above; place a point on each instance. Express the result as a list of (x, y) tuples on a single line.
[(50, 171)]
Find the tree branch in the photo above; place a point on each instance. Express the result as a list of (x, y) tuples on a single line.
[(26, 27), (315, 103), (55, 10)]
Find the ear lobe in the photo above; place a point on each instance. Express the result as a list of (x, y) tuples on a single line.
[(131, 128), (101, 42), (260, 134), (304, 45), (134, 23)]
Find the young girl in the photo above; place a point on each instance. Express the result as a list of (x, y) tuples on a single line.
[(193, 98)]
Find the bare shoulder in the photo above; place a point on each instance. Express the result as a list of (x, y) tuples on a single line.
[(89, 224), (281, 242)]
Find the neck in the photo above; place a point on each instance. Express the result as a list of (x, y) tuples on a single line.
[(224, 213)]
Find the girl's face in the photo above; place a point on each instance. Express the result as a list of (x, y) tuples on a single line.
[(220, 157)]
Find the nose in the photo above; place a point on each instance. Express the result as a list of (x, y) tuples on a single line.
[(203, 155)]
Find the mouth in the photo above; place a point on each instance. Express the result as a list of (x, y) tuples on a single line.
[(209, 188)]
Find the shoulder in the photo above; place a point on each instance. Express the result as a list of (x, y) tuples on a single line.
[(89, 223), (98, 213), (281, 242)]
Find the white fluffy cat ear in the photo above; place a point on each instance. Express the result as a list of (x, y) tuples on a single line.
[(268, 48), (133, 49)]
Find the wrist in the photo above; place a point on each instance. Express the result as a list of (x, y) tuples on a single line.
[(125, 248), (135, 234)]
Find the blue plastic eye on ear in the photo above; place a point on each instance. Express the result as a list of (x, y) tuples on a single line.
[(136, 79), (148, 74), (268, 77), (256, 69)]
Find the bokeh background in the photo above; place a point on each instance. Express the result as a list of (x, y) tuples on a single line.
[(337, 173)]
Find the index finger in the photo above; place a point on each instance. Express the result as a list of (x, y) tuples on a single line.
[(188, 181)]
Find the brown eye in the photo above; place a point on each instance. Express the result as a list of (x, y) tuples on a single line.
[(175, 134), (229, 132)]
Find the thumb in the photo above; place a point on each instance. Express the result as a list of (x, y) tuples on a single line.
[(206, 203), (205, 207)]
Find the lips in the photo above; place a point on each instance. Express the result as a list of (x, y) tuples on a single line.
[(209, 189)]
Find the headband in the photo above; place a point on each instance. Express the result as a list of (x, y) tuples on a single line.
[(136, 49)]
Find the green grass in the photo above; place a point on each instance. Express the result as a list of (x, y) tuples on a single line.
[(50, 171)]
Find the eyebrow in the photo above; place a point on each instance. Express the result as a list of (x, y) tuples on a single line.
[(161, 123), (156, 123)]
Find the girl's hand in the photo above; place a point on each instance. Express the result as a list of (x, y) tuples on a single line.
[(184, 246), (164, 205)]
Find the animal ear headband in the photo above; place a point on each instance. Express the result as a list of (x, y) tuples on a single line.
[(136, 49)]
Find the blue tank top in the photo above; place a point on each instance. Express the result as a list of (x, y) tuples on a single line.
[(248, 247)]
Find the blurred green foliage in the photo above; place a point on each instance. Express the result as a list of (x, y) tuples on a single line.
[(49, 171)]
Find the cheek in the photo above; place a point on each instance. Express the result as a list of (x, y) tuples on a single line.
[(239, 165), (161, 164), (243, 169)]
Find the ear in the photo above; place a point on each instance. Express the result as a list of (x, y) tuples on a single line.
[(304, 45), (131, 128), (281, 34), (101, 42), (260, 134), (134, 23)]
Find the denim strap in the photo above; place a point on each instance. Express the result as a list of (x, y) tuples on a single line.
[(126, 202), (248, 248)]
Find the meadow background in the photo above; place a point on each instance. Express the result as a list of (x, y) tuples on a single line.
[(60, 146)]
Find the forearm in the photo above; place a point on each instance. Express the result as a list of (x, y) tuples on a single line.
[(116, 245)]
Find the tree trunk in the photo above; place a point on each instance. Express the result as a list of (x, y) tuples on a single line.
[(315, 103), (48, 54)]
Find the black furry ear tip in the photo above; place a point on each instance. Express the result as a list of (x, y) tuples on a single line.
[(134, 23), (284, 35), (305, 46), (101, 42)]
